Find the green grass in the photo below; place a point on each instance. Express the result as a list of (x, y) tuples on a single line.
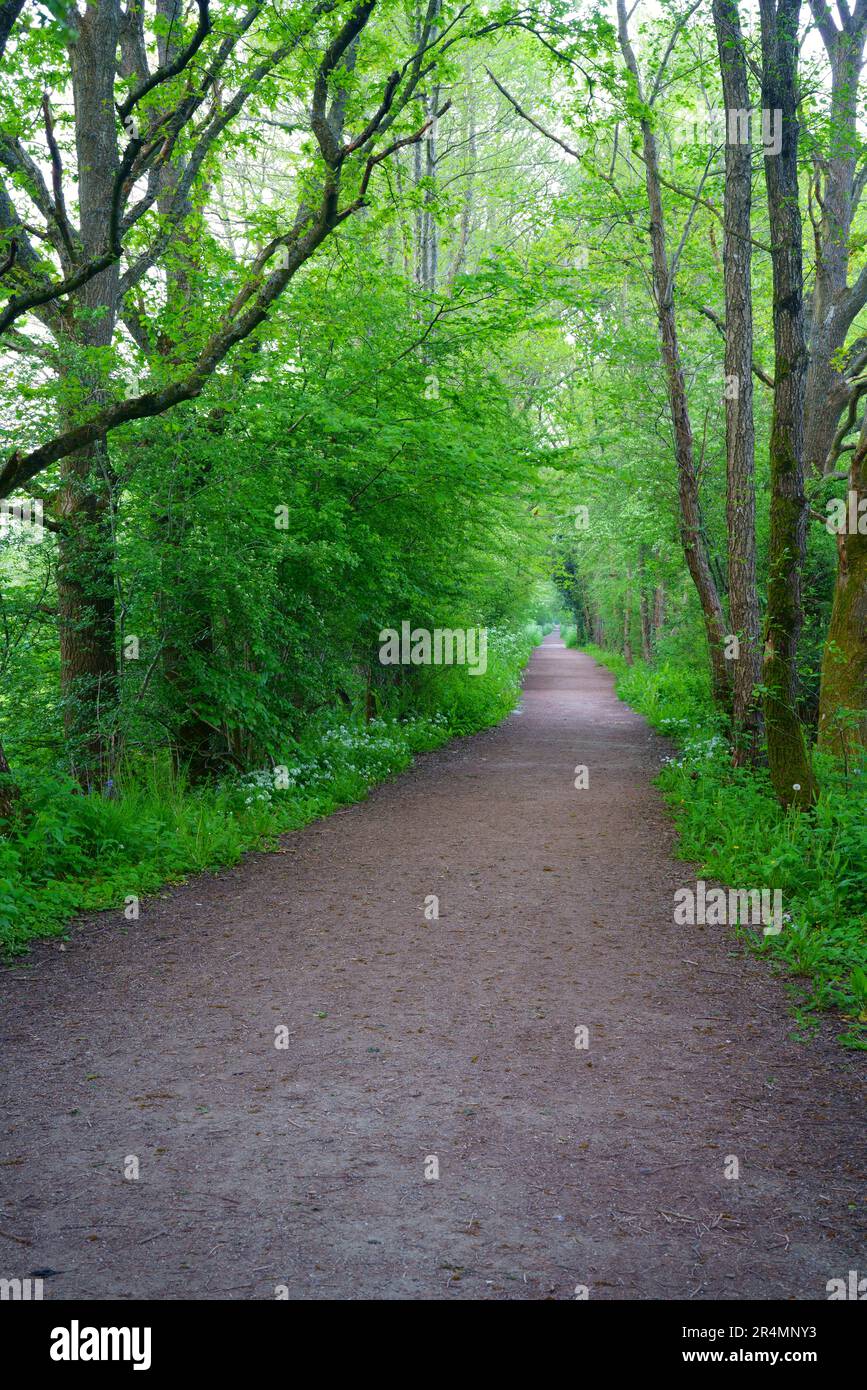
[(729, 822), (68, 853)]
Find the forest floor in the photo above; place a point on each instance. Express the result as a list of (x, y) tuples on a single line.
[(304, 1166)]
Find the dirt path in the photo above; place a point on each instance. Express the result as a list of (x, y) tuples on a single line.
[(558, 1167)]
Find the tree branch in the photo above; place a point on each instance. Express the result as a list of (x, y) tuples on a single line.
[(172, 69)]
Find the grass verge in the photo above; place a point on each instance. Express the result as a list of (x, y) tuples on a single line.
[(729, 822)]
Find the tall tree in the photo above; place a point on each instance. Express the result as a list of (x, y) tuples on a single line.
[(740, 429), (843, 693), (664, 275), (788, 758), (836, 187), (835, 384), (175, 115)]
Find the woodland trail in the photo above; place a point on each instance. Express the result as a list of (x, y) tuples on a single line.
[(305, 1167)]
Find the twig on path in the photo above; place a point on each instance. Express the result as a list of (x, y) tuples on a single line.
[(21, 1240), (704, 967), (678, 1215)]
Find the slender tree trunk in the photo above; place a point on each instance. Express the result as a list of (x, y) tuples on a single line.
[(467, 205), (424, 167), (658, 611), (740, 434), (598, 628), (691, 534), (644, 605), (627, 625), (646, 645), (790, 768), (580, 621)]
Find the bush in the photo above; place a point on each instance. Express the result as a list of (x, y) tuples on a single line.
[(67, 852)]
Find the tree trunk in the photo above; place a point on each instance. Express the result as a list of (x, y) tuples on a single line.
[(188, 636), (740, 433), (85, 571), (834, 304), (658, 611), (788, 758), (424, 167), (627, 626), (646, 644), (644, 606), (86, 607), (843, 691), (843, 697), (691, 534), (467, 204)]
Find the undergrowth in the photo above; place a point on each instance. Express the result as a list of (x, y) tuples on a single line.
[(66, 852), (730, 823)]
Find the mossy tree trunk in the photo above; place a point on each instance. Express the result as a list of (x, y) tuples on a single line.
[(843, 698), (788, 756)]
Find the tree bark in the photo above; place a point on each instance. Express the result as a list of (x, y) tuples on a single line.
[(468, 201), (658, 610), (843, 690), (834, 304), (86, 607), (424, 167), (598, 628), (843, 695), (691, 533), (646, 642), (740, 432), (85, 571), (788, 758), (627, 625)]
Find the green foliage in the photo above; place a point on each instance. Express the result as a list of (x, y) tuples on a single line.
[(732, 825), (66, 853), (675, 699)]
